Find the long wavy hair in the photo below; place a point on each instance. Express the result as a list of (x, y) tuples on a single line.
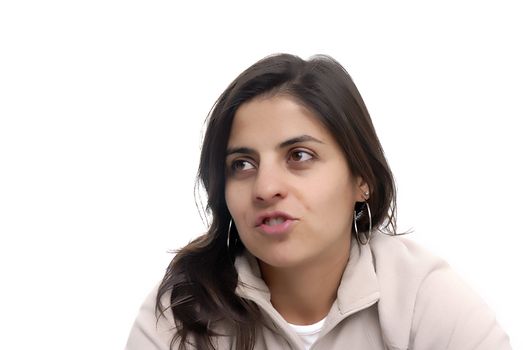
[(201, 279)]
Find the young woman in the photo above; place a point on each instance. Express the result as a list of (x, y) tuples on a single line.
[(301, 252)]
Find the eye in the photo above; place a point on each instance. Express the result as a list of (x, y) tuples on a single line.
[(300, 156), (241, 165)]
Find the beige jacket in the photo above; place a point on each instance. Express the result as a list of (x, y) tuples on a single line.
[(393, 295)]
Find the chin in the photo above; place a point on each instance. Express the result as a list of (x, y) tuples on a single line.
[(279, 261)]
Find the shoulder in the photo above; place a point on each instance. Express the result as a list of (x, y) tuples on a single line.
[(154, 331), (150, 331), (424, 304), (402, 252)]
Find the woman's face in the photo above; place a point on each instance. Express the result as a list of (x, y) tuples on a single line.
[(289, 188)]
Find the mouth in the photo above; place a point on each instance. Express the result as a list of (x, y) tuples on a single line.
[(275, 223), (273, 218)]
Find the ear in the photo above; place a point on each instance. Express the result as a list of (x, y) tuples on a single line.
[(362, 191)]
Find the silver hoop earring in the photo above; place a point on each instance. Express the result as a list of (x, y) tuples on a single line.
[(229, 234), (363, 237)]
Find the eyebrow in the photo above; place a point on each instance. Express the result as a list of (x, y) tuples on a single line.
[(284, 144)]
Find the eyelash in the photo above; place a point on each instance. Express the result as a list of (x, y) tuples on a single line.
[(296, 151), (238, 162), (241, 161)]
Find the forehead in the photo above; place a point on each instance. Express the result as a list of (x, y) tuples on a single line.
[(276, 118)]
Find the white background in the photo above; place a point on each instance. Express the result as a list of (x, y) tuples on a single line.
[(102, 105)]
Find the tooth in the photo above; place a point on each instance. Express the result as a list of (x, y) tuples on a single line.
[(275, 221)]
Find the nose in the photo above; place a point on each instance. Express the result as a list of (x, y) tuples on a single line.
[(270, 184)]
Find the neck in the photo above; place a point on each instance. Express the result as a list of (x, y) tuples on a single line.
[(304, 294)]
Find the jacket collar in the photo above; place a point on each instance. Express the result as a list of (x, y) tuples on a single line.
[(358, 288)]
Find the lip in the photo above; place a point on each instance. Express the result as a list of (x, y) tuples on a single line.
[(279, 229)]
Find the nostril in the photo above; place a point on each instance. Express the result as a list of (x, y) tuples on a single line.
[(268, 197)]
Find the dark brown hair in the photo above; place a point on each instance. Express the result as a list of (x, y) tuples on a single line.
[(201, 279)]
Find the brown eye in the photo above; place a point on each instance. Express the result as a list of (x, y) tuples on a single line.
[(241, 165), (300, 156)]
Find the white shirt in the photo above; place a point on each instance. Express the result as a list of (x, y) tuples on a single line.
[(308, 333)]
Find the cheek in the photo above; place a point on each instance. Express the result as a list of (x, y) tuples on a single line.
[(333, 203), (235, 199), (229, 199)]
